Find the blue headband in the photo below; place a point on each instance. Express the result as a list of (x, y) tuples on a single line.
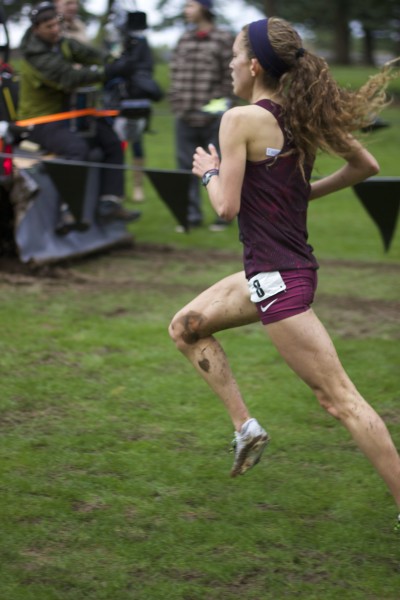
[(264, 52)]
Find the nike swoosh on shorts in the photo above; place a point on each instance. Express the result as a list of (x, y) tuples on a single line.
[(265, 308)]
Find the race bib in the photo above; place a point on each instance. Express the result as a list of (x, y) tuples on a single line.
[(264, 285)]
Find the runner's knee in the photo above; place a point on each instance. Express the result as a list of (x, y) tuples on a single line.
[(186, 328), (339, 400)]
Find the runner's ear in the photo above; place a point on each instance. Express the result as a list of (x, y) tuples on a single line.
[(254, 67)]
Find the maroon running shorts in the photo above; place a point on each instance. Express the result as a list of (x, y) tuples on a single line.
[(298, 296)]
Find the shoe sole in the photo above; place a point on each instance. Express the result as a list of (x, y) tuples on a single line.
[(250, 455)]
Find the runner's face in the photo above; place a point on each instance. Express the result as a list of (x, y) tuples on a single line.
[(242, 80), (49, 31)]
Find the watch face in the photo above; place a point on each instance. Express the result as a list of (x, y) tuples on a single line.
[(206, 178)]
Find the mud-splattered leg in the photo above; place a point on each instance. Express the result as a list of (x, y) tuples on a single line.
[(307, 348), (223, 306)]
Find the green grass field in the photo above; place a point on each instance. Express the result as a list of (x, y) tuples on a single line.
[(114, 456)]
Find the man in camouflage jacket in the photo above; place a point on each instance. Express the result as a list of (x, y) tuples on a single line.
[(52, 68)]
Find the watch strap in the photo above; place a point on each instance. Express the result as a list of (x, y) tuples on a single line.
[(207, 176)]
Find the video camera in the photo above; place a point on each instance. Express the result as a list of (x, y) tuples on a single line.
[(133, 95), (135, 21)]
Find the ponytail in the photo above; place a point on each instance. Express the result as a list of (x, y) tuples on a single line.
[(319, 114)]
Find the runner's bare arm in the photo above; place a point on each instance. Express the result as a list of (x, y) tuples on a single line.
[(360, 164), (224, 190)]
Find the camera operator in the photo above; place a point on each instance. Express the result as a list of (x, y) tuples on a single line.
[(51, 69), (133, 94)]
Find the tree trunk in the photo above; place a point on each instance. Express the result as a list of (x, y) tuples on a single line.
[(342, 34), (270, 8), (397, 39), (368, 47)]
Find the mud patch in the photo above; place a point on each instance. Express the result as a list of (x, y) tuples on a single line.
[(359, 318), (344, 315)]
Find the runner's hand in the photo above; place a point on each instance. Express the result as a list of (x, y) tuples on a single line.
[(204, 161)]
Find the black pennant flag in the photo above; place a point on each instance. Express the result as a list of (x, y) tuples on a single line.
[(70, 185), (173, 189), (380, 197), (171, 186)]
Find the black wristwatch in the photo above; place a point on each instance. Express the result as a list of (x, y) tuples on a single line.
[(207, 176)]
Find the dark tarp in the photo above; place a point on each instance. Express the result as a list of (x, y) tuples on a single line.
[(36, 216)]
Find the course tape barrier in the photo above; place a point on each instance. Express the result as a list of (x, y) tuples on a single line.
[(86, 163), (63, 116), (380, 196)]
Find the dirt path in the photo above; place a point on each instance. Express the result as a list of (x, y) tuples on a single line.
[(344, 315)]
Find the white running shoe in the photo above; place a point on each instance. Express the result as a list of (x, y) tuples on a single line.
[(248, 446)]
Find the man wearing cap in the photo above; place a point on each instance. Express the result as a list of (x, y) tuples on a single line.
[(51, 69), (200, 74)]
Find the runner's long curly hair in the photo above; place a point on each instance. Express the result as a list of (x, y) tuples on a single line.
[(317, 111)]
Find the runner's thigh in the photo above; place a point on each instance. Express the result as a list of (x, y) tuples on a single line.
[(224, 305), (306, 346)]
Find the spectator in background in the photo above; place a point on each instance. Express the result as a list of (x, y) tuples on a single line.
[(200, 74), (72, 26), (48, 76), (138, 90)]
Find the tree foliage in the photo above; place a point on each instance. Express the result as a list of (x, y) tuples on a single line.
[(376, 19), (14, 8)]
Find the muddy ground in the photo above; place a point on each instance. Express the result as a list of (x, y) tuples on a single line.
[(344, 315)]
